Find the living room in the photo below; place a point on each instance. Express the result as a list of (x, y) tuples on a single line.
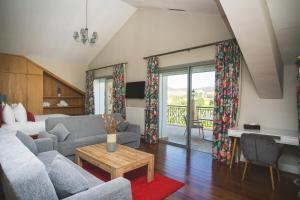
[(129, 99)]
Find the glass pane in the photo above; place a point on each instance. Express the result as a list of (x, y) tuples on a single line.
[(173, 106), (99, 96), (202, 105)]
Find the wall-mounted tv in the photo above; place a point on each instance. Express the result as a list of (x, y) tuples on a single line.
[(135, 90)]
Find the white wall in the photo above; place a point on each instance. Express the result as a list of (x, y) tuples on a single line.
[(270, 113), (150, 32), (70, 72)]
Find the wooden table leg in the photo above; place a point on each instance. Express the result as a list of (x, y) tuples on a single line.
[(272, 177), (116, 174), (78, 160), (150, 172), (233, 151)]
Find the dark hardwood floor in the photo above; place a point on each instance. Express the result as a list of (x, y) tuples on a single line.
[(206, 178)]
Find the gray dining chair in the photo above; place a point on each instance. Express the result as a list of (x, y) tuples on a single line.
[(261, 149), (195, 124)]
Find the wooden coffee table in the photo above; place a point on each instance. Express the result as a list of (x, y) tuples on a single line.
[(116, 163)]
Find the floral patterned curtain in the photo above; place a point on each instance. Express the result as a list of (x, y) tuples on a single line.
[(151, 95), (119, 90), (298, 106), (89, 96), (226, 96), (298, 94)]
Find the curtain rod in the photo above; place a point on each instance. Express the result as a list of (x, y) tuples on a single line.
[(187, 49), (105, 67)]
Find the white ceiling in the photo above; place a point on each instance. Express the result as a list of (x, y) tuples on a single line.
[(44, 29), (205, 6), (285, 17)]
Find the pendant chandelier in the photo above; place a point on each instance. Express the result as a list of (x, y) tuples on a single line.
[(83, 35)]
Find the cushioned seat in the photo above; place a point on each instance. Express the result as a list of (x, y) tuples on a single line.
[(88, 130), (67, 148), (23, 175), (127, 137), (49, 156)]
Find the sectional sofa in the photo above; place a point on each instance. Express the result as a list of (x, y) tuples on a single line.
[(87, 130), (24, 174)]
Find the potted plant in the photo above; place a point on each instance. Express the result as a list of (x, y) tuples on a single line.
[(110, 125)]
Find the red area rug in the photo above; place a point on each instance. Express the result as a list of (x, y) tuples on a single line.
[(160, 188)]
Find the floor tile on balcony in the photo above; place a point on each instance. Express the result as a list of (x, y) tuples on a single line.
[(176, 135)]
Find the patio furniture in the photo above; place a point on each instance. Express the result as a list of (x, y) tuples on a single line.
[(195, 124), (261, 149)]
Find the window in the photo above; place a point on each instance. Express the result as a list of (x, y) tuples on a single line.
[(103, 95)]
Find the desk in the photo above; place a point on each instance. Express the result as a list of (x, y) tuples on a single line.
[(281, 136)]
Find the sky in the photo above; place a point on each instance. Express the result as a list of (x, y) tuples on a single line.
[(199, 80)]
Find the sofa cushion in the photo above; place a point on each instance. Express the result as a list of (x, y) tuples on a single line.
[(60, 131), (122, 126), (126, 137), (68, 147), (27, 141), (66, 179), (49, 156)]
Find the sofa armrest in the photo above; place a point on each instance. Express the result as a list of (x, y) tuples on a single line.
[(44, 144), (116, 189), (134, 128), (44, 134)]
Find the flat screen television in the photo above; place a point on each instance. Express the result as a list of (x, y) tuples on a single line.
[(135, 90)]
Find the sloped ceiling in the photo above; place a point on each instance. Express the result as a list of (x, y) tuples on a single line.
[(204, 6), (285, 17), (44, 29), (252, 27)]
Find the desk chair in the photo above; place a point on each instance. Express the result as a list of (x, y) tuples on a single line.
[(195, 124), (261, 149)]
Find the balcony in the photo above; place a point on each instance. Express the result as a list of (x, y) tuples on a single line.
[(204, 114), (176, 127)]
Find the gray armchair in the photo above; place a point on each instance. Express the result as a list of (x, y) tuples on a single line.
[(261, 149)]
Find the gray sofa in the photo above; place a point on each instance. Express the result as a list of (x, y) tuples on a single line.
[(24, 175), (87, 130)]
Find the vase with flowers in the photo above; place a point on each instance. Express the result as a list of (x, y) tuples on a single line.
[(110, 125)]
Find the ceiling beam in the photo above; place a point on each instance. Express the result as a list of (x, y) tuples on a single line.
[(252, 26)]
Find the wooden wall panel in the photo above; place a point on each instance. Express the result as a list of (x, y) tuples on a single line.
[(24, 81), (34, 69), (17, 64), (4, 79), (51, 84), (17, 88), (4, 63), (35, 94)]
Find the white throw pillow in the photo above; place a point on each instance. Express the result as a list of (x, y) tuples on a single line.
[(8, 116), (20, 113)]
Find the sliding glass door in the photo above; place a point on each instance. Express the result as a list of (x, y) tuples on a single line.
[(103, 95), (173, 106), (202, 107), (186, 106)]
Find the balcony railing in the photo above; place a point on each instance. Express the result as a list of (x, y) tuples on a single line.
[(176, 115)]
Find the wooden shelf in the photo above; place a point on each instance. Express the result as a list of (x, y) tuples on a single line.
[(57, 107), (63, 97), (73, 96)]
